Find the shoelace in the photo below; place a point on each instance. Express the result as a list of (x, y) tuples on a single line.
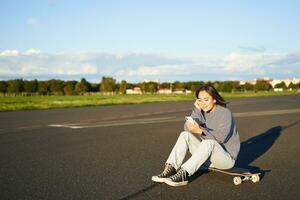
[(167, 170), (179, 174)]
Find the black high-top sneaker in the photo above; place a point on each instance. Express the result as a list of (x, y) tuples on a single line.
[(168, 171), (178, 179)]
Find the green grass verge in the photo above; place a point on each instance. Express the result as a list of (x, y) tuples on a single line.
[(49, 102)]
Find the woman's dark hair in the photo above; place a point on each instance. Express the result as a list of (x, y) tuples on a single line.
[(212, 92)]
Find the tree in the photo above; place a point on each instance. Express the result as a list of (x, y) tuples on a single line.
[(294, 85), (123, 86), (107, 84), (130, 85), (69, 87), (281, 85), (165, 85), (43, 87), (195, 85), (31, 86), (56, 87), (142, 86), (236, 85), (262, 85), (178, 86), (15, 86), (225, 86), (247, 87), (95, 87), (3, 87), (83, 86), (151, 87)]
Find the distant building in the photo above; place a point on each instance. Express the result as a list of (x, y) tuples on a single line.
[(165, 91), (265, 79), (178, 92), (278, 89), (135, 90)]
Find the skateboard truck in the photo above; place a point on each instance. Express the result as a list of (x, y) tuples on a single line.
[(237, 180)]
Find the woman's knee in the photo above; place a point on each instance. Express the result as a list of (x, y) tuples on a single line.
[(222, 163), (187, 136), (183, 136)]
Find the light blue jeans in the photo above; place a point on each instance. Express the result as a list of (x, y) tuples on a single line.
[(208, 152)]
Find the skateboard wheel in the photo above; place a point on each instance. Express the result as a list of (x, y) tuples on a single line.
[(237, 180), (255, 178)]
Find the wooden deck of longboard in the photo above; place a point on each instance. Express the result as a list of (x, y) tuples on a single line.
[(235, 171)]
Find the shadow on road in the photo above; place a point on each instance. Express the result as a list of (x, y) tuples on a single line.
[(256, 146)]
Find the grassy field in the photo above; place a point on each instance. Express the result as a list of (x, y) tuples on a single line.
[(49, 102)]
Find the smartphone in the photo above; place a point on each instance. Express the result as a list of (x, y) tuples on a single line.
[(189, 119)]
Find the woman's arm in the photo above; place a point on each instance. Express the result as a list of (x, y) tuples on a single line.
[(224, 126), (198, 116)]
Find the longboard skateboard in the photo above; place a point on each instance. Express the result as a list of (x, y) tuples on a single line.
[(240, 174)]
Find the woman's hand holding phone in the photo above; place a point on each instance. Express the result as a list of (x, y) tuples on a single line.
[(192, 126)]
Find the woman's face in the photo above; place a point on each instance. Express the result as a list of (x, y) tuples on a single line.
[(205, 101)]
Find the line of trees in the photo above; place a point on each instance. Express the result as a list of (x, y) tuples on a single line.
[(108, 85)]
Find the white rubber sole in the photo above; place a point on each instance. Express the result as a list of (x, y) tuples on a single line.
[(175, 184), (158, 180)]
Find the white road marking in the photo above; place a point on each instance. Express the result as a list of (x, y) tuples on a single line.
[(117, 123), (268, 112), (123, 122)]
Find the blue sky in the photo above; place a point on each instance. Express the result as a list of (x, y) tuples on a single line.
[(152, 40)]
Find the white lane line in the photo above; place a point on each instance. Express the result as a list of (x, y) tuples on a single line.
[(165, 119), (116, 123), (264, 113), (29, 127)]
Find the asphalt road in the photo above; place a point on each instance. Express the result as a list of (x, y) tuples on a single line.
[(111, 152)]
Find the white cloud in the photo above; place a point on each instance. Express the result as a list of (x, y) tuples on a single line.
[(89, 69), (135, 66), (32, 51), (7, 53), (228, 67), (34, 63), (259, 63), (74, 70), (140, 71), (175, 69), (6, 71), (241, 62)]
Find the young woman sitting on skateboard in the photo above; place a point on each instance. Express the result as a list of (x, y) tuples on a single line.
[(211, 137)]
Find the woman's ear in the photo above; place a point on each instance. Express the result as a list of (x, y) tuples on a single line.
[(215, 101)]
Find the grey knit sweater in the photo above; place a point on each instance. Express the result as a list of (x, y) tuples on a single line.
[(219, 125)]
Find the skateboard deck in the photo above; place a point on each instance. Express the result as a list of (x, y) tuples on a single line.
[(240, 174)]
